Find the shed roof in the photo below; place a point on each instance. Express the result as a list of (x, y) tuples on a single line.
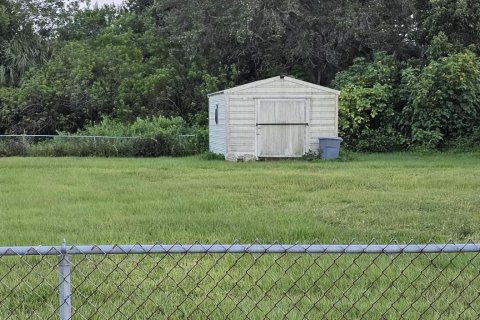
[(266, 81)]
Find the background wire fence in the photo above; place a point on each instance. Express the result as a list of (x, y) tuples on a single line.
[(171, 144), (434, 281)]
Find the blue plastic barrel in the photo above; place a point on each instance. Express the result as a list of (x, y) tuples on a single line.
[(329, 147)]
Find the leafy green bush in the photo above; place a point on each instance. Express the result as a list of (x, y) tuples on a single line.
[(381, 70), (466, 143), (200, 138), (10, 147), (430, 104), (159, 136), (380, 140), (363, 110), (444, 101), (366, 106)]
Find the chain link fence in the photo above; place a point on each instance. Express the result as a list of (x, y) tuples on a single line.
[(235, 281), (90, 145)]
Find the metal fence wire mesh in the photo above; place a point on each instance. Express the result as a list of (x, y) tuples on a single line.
[(237, 281), (112, 146)]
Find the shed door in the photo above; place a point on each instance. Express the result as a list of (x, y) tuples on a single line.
[(281, 128)]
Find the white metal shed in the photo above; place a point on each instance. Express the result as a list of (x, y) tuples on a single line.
[(279, 117)]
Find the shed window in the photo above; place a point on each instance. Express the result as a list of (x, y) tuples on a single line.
[(216, 114)]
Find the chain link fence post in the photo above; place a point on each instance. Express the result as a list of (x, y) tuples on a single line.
[(64, 287)]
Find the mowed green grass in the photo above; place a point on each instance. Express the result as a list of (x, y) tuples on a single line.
[(165, 200), (373, 198)]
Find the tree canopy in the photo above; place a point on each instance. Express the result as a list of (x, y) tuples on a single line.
[(397, 62)]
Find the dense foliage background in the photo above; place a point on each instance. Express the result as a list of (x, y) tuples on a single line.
[(409, 70)]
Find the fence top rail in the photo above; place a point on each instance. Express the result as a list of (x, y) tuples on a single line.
[(241, 248), (65, 136)]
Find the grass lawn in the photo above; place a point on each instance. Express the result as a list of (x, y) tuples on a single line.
[(99, 200), (104, 201)]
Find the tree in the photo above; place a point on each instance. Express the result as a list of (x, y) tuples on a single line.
[(139, 6), (5, 17), (27, 29), (459, 20), (130, 75), (20, 47), (309, 39), (86, 23)]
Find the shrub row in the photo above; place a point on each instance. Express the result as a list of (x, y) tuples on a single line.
[(432, 104), (152, 137)]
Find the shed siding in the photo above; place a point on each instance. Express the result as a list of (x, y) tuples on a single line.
[(241, 125), (216, 132), (323, 118)]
